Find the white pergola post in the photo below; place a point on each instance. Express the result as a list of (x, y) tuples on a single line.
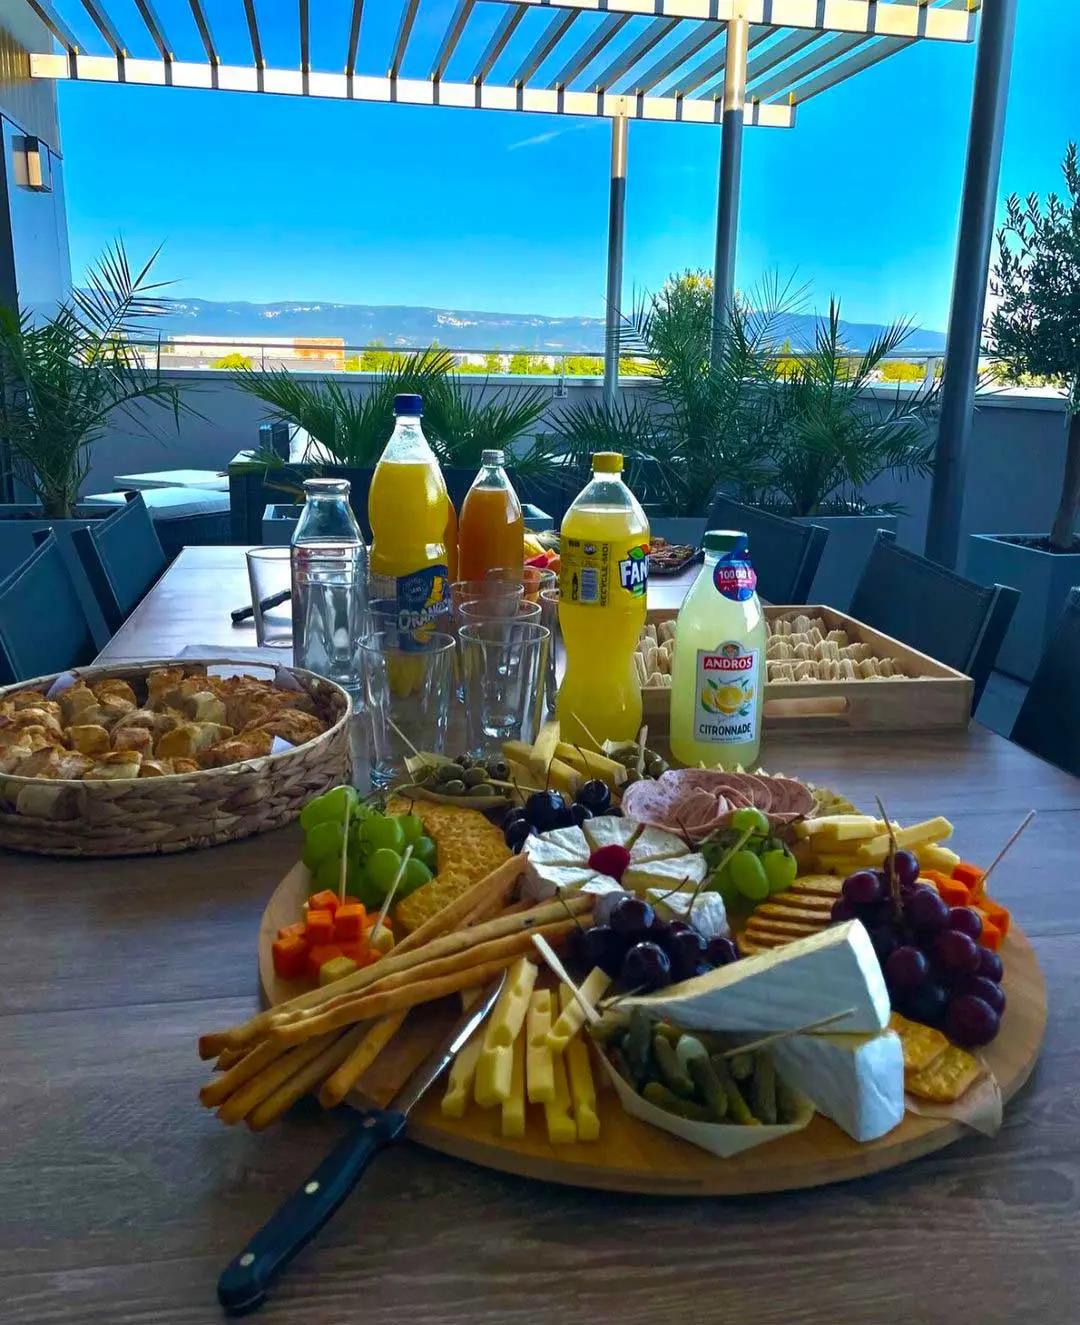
[(620, 127), (727, 202), (982, 172)]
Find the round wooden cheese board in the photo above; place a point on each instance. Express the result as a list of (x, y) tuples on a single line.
[(631, 1156)]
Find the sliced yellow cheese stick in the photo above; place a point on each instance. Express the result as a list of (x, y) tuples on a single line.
[(579, 1070), (590, 763), (494, 1075), (539, 1060), (572, 1017), (462, 1072), (914, 836), (508, 1015), (513, 1108), (937, 858), (562, 1130)]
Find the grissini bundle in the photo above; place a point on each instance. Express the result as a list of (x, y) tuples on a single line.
[(307, 1078), (260, 1087), (495, 885), (374, 1041)]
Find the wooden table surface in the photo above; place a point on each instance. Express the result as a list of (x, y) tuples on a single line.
[(121, 1199)]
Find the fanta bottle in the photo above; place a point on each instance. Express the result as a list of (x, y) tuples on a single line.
[(718, 672), (491, 531), (407, 511), (603, 577)]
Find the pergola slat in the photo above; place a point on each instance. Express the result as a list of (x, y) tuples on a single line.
[(106, 27), (408, 18), (452, 37), (155, 28), (203, 24), (655, 33), (677, 56), (56, 25), (549, 39), (610, 28), (508, 25)]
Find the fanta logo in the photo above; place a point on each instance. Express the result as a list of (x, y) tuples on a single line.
[(634, 569), (726, 662)]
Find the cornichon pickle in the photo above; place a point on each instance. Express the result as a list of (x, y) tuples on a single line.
[(657, 1093), (742, 1066), (763, 1088), (638, 1044), (737, 1106), (672, 1071), (708, 1084)]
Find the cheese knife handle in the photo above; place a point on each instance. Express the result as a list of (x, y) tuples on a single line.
[(244, 1283)]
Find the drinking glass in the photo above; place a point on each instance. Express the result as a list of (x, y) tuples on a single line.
[(503, 597), (407, 693), (549, 619), (270, 576), (503, 665), (481, 609), (533, 579)]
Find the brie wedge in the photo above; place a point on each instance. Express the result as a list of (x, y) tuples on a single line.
[(856, 1080), (655, 844), (683, 872), (787, 988), (609, 830), (706, 912)]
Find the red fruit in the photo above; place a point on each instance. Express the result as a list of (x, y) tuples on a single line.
[(540, 561), (967, 921), (970, 1022), (956, 952), (610, 860)]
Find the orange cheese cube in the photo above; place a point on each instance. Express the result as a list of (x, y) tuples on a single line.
[(318, 957), (320, 927), (349, 923), (324, 901), (290, 957)]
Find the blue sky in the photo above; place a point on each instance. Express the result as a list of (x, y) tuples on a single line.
[(265, 198)]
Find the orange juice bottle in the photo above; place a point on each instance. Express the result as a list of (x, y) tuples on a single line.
[(603, 578), (492, 528)]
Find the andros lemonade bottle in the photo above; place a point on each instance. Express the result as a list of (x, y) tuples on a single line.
[(407, 511), (491, 531), (604, 573), (718, 672)]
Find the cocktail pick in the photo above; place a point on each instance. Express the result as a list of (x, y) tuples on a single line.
[(818, 1025), (588, 733), (342, 877), (392, 890), (552, 958), (1007, 847)]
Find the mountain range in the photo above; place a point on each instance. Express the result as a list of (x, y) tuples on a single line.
[(407, 325)]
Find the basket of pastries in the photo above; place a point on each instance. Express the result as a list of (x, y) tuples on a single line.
[(140, 758)]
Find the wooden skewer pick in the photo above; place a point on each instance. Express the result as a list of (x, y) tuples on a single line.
[(588, 733), (552, 958), (818, 1025), (401, 735), (393, 889), (1007, 847), (344, 856), (642, 737)]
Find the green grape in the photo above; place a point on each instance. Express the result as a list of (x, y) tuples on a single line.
[(323, 840), (382, 867), (780, 868), (752, 818), (360, 886), (415, 875), (383, 831), (329, 807), (328, 875), (748, 876), (412, 826), (424, 850)]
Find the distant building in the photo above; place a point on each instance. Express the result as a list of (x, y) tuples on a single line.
[(318, 349)]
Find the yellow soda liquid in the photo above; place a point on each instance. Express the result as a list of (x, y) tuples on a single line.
[(603, 579), (718, 671), (409, 514)]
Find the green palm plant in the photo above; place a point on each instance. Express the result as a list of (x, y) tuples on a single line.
[(828, 442), (63, 378), (461, 421), (704, 421)]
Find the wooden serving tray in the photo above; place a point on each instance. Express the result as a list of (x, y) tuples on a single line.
[(932, 696), (630, 1156)]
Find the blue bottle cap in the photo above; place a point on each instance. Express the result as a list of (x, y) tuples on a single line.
[(413, 405)]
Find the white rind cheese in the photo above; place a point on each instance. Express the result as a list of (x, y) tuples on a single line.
[(655, 844), (704, 910), (856, 1080), (684, 873), (610, 830), (784, 989)]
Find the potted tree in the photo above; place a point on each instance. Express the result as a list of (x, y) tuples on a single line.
[(830, 441), (62, 383), (1033, 335)]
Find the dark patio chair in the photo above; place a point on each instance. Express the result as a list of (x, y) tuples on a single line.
[(43, 625), (122, 558), (1048, 723), (936, 611), (785, 554)]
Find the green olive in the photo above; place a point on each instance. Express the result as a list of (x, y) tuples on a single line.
[(472, 777), (455, 787), (447, 773), (498, 769), (482, 789)]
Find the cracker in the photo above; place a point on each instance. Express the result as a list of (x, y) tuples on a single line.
[(922, 1045), (946, 1079)]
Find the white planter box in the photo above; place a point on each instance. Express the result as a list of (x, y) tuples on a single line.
[(1043, 578), (846, 551)]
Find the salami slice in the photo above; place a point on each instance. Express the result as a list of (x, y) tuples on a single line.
[(797, 798)]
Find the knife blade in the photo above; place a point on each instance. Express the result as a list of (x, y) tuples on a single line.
[(244, 1282)]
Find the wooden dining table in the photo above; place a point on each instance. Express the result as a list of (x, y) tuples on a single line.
[(121, 1199)]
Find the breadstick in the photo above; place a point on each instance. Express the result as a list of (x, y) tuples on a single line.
[(405, 954), (309, 1076), (451, 945), (496, 950), (337, 1086), (229, 1058), (241, 1102), (410, 996), (220, 1088), (496, 884)]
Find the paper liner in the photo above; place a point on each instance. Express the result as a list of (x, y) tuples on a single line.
[(723, 1139), (980, 1107)]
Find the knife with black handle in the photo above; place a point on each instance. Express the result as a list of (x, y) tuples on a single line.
[(243, 1285)]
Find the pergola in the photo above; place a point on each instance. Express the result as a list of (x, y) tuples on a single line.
[(727, 62)]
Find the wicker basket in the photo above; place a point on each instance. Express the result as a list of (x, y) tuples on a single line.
[(145, 816)]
